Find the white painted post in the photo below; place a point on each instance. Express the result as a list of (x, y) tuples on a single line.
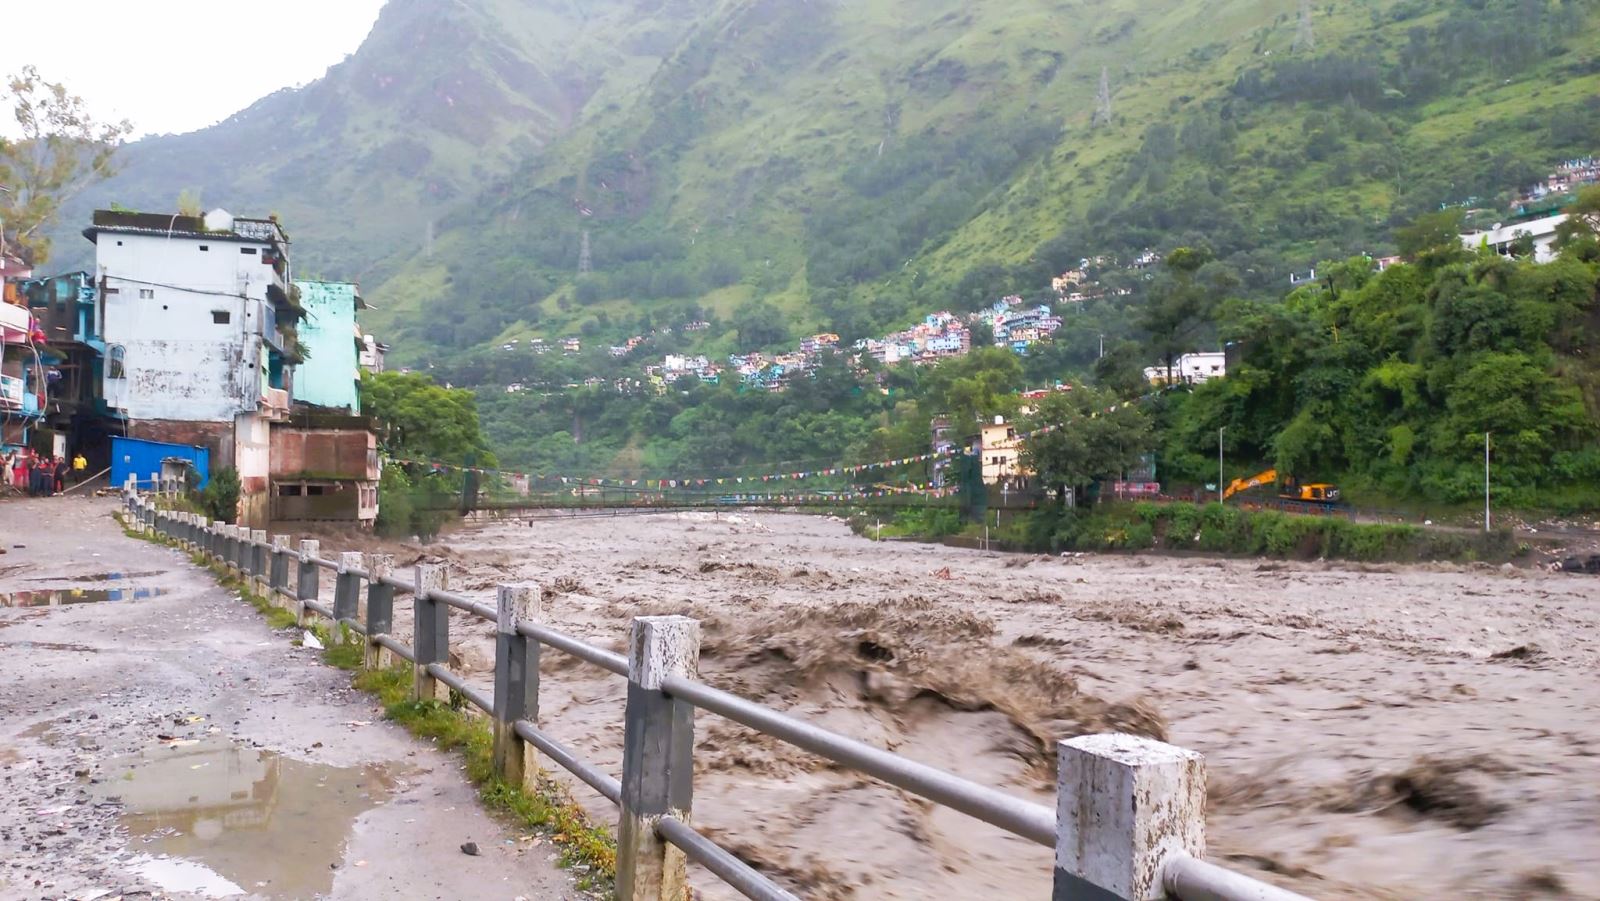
[(516, 681), (278, 578), (307, 579), (1125, 807), (380, 609), (657, 758), (430, 622), (347, 590), (258, 562)]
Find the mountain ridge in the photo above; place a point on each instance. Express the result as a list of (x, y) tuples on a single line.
[(848, 166)]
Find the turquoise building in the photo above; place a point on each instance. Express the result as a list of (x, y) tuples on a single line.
[(332, 344)]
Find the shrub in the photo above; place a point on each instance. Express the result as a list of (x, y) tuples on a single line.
[(221, 495)]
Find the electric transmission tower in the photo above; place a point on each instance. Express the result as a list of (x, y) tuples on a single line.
[(1102, 100), (1304, 39), (585, 264)]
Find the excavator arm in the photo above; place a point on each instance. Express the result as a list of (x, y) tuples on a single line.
[(1261, 478)]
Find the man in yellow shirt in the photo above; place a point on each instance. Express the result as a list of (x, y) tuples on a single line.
[(79, 466)]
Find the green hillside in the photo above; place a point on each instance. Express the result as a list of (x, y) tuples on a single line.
[(851, 165), (856, 164), (441, 99)]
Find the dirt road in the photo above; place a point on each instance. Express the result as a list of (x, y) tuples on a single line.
[(1370, 731), (157, 739)]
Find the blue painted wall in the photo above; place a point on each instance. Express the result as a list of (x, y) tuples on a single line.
[(140, 458), (328, 333)]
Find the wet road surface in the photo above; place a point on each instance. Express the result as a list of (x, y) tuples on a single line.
[(158, 740)]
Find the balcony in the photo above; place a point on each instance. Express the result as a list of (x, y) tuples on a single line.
[(11, 392), (275, 403)]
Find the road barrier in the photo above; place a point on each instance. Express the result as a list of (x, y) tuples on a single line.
[(1129, 819)]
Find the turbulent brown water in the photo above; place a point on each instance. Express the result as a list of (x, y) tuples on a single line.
[(1370, 731)]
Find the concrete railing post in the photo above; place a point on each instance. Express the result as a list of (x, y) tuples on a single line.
[(278, 578), (215, 541), (1125, 807), (347, 588), (258, 561), (243, 550), (380, 609), (657, 758), (430, 630), (307, 578), (516, 680)]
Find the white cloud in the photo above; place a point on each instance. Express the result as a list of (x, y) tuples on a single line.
[(180, 65)]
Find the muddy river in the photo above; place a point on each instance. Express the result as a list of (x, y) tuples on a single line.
[(1369, 731)]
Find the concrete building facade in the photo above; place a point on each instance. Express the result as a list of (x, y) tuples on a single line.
[(198, 318), (331, 372)]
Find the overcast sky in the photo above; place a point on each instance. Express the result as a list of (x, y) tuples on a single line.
[(179, 65)]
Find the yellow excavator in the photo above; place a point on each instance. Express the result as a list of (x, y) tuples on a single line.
[(1313, 493)]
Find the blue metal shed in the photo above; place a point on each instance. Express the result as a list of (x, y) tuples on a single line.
[(139, 458)]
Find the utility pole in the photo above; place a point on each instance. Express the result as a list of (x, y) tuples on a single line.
[(1102, 100), (1486, 481), (1221, 498), (1304, 39), (585, 263), (1102, 346)]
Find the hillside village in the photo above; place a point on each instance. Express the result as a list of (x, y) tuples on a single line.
[(191, 350)]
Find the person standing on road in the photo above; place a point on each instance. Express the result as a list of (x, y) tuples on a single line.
[(61, 470), (80, 468), (8, 464)]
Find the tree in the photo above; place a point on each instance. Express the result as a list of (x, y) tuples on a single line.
[(1094, 437), (1583, 218), (1181, 302), (759, 325), (1432, 234), (422, 420), (61, 150)]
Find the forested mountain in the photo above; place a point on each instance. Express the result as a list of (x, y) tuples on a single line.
[(851, 165)]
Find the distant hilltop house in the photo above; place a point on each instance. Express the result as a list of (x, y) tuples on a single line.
[(1191, 368), (1567, 177), (1502, 239)]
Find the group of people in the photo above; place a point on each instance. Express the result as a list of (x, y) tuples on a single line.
[(39, 475)]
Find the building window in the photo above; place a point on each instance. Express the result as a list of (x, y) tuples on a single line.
[(288, 490), (221, 317), (111, 291), (147, 293), (316, 489), (248, 251), (114, 362), (205, 246)]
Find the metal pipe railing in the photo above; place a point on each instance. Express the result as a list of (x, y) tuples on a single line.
[(1034, 822), (609, 788), (479, 699), (606, 660), (669, 695), (1192, 879), (728, 868)]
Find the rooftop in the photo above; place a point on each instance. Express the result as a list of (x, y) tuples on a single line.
[(218, 224)]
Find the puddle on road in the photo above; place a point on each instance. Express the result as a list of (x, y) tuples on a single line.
[(255, 820), (56, 597), (98, 577)]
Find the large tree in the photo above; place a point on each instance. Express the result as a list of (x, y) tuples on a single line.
[(60, 149), (1095, 436)]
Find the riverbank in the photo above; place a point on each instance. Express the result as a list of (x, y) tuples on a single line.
[(1372, 730)]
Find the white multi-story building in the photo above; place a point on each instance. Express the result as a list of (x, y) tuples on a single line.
[(1193, 368), (1502, 238), (198, 320)]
